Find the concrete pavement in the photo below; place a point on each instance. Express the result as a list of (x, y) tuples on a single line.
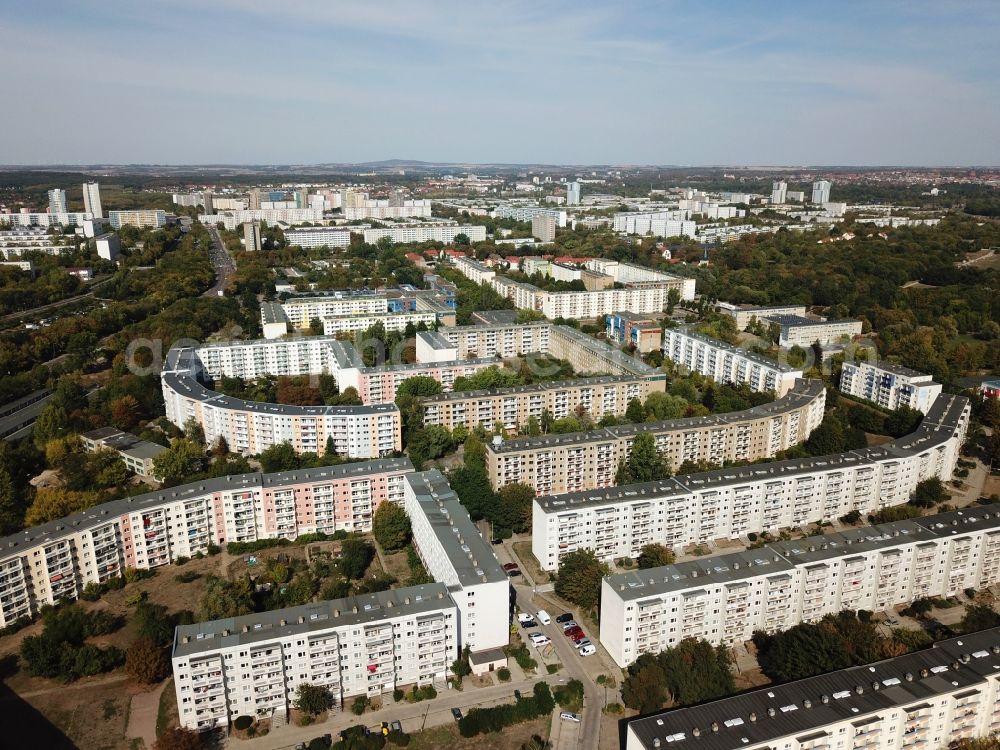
[(414, 716)]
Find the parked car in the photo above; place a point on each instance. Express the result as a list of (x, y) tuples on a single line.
[(539, 639), (588, 650), (569, 624), (510, 566), (395, 726), (457, 713), (581, 642), (527, 624), (543, 617), (568, 716), (517, 695), (574, 633), (513, 573), (565, 617), (523, 617)]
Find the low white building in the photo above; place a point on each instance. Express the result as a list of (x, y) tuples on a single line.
[(108, 246), (804, 332), (307, 237), (888, 385)]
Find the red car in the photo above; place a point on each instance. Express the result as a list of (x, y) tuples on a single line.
[(510, 566), (574, 633)]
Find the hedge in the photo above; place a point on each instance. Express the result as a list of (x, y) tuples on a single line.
[(495, 719)]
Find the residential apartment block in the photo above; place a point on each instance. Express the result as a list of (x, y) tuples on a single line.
[(151, 218), (583, 461), (725, 363), (643, 333), (233, 219), (744, 315), (454, 553), (804, 332), (320, 236), (659, 223), (513, 407), (250, 427), (527, 213), (34, 219), (440, 231), (359, 646), (725, 598), (58, 559), (888, 385), (137, 454), (731, 502), (926, 699)]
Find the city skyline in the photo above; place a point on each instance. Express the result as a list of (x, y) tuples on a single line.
[(556, 84)]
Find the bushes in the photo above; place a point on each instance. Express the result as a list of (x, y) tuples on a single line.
[(61, 652), (522, 656), (503, 674), (187, 577), (485, 720), (570, 695), (359, 705), (427, 692), (243, 548)]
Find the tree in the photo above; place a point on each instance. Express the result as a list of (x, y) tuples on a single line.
[(183, 458), (654, 556), (146, 662), (194, 432), (929, 492), (419, 385), (579, 578), (180, 739), (461, 666), (644, 464), (801, 651), (979, 617), (355, 557), (224, 599), (644, 687), (280, 457), (125, 412), (515, 507), (153, 622), (635, 412), (51, 423), (429, 442), (391, 526), (51, 503), (313, 699)]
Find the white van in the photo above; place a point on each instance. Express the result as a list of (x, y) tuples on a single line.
[(543, 617), (588, 650)]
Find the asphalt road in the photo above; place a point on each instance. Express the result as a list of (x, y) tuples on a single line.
[(222, 262), (590, 727)]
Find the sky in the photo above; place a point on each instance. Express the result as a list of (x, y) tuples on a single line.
[(880, 82)]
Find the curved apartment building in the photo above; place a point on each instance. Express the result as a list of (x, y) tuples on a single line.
[(729, 503), (580, 461)]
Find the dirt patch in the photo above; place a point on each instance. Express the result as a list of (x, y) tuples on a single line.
[(874, 439), (511, 739), (89, 714), (529, 563), (396, 566)]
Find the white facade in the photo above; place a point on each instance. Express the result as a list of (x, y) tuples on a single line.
[(455, 554), (387, 209), (391, 321), (890, 386), (360, 646), (57, 201), (249, 427), (438, 232), (301, 310), (724, 599), (732, 502), (725, 363), (821, 192), (930, 698), (778, 192), (319, 237), (473, 270), (92, 199), (26, 219), (743, 316), (108, 246), (251, 237), (804, 332), (572, 193), (527, 213), (232, 219)]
